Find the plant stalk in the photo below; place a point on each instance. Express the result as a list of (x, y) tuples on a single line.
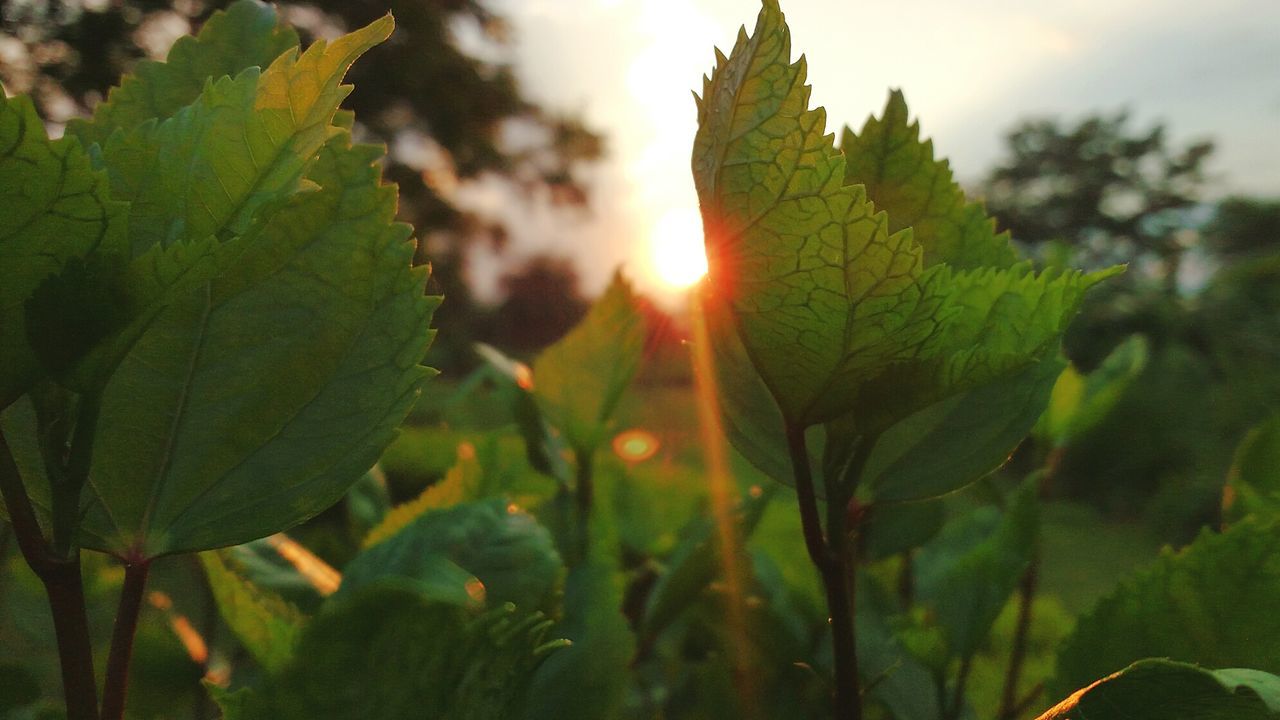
[(62, 582), (832, 557), (1009, 701), (585, 483), (65, 588), (579, 518), (116, 687), (957, 696), (66, 486)]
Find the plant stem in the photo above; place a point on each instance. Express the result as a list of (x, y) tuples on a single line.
[(832, 558), (583, 499), (66, 486), (22, 517), (810, 523), (906, 579), (957, 696), (71, 627), (65, 588), (117, 683), (1009, 703), (585, 483)]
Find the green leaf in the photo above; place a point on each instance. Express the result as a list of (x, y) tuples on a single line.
[(264, 623), (18, 687), (889, 529), (1079, 402), (1212, 603), (368, 502), (241, 146), (951, 444), (933, 451), (1253, 484), (1163, 690), (889, 671), (76, 311), (53, 208), (917, 191), (263, 564), (697, 560), (837, 314), (323, 309), (588, 679), (247, 34), (579, 380), (231, 703), (389, 652), (967, 574), (512, 556), (544, 448), (460, 483), (750, 416)]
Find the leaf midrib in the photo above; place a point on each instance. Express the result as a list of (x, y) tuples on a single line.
[(179, 418)]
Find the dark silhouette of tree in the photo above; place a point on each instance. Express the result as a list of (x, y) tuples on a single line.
[(1112, 193), (1245, 226), (542, 303), (432, 93)]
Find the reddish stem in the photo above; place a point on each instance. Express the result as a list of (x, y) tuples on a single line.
[(126, 626), (65, 588)]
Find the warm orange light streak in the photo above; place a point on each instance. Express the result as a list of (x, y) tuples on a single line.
[(186, 633), (316, 571), (723, 494)]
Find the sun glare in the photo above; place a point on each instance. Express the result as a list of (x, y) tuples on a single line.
[(678, 255)]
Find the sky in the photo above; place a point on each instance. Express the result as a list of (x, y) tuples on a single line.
[(970, 69)]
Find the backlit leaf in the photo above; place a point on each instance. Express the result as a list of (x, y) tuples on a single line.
[(265, 623), (1253, 484), (838, 314), (247, 34), (1079, 402), (579, 380), (460, 483), (1163, 690), (255, 400), (242, 145), (902, 178), (933, 451)]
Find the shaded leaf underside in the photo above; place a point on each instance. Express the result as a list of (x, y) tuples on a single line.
[(55, 208)]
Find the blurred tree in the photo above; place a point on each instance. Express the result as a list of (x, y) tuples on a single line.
[(1112, 193), (542, 303), (438, 93), (1099, 192), (1245, 226)]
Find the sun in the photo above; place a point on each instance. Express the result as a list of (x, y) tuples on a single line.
[(679, 258)]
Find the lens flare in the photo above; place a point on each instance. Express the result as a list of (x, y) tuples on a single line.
[(635, 445)]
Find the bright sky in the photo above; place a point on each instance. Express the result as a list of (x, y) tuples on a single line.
[(970, 69)]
